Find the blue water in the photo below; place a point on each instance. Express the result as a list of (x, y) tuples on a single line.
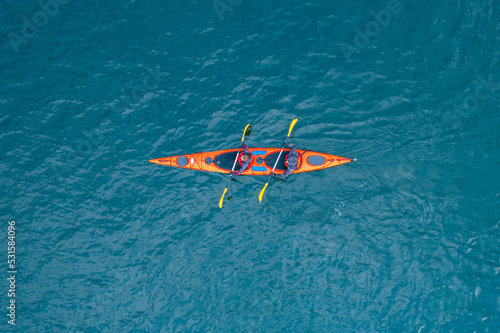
[(405, 239)]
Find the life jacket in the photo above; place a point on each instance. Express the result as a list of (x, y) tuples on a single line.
[(286, 160), (240, 159)]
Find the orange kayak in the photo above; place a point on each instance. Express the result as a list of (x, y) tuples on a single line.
[(262, 163)]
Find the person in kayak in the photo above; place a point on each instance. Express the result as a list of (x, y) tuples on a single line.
[(291, 161), (244, 160)]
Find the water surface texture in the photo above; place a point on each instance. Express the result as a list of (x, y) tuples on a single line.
[(405, 239)]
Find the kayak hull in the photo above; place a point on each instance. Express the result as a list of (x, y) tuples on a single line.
[(262, 164)]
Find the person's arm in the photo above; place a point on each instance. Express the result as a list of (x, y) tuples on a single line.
[(292, 163), (287, 173), (293, 159), (244, 166)]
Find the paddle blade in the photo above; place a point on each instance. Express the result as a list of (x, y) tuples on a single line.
[(245, 132), (221, 201), (291, 127), (261, 194)]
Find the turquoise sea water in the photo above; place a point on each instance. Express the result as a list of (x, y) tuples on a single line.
[(406, 239)]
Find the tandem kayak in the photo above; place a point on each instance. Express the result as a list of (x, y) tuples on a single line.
[(262, 164)]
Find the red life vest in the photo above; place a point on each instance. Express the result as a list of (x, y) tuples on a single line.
[(240, 159), (286, 160)]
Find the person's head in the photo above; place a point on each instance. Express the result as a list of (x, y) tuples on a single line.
[(246, 157)]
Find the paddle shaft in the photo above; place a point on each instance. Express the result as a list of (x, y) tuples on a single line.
[(238, 154), (235, 159), (221, 201), (232, 169), (276, 163), (261, 194)]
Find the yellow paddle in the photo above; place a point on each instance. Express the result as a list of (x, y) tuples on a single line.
[(261, 194), (246, 131)]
